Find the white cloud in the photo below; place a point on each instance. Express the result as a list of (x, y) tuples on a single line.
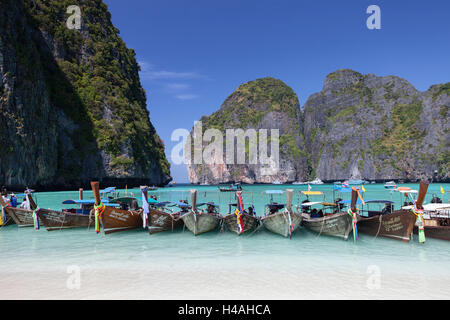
[(149, 72), (177, 86), (187, 96)]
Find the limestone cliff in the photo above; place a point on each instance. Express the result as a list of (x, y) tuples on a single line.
[(71, 103), (358, 126), (265, 103), (377, 128)]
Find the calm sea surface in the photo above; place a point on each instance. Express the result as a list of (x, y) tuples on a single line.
[(79, 264)]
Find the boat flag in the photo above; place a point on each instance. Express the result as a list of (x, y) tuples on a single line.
[(309, 187), (442, 190), (363, 189)]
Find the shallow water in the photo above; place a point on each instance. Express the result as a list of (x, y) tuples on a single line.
[(128, 265)]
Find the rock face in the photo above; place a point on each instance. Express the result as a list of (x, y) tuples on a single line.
[(377, 128), (358, 126), (71, 103), (261, 104)]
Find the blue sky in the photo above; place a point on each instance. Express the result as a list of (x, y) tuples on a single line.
[(195, 53)]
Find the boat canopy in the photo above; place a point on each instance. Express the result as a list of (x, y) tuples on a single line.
[(344, 189), (312, 193), (163, 204), (403, 189), (274, 191), (108, 190), (431, 206), (407, 191), (309, 204), (378, 201), (90, 201), (207, 203)]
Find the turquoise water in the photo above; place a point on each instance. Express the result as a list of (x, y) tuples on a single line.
[(41, 264)]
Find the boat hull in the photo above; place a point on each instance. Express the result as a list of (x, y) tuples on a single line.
[(279, 223), (249, 223), (397, 225), (56, 220), (336, 225), (116, 220), (162, 221), (435, 232), (22, 217), (199, 223)]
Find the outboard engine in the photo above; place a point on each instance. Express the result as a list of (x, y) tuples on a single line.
[(436, 199)]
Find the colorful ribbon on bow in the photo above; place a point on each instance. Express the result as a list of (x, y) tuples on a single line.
[(240, 224), (420, 222), (36, 219), (98, 215), (354, 223)]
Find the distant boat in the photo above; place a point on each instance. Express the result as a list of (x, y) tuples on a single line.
[(298, 182), (390, 185), (231, 188), (315, 181), (276, 182), (355, 182)]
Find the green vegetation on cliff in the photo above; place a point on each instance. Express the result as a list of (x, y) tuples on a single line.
[(96, 83)]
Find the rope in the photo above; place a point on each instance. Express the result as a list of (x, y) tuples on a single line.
[(379, 226)]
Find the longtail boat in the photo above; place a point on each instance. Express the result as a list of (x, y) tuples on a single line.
[(433, 218), (156, 215), (21, 216), (232, 188), (114, 219), (281, 219), (198, 221), (336, 224), (240, 221), (436, 218), (397, 225)]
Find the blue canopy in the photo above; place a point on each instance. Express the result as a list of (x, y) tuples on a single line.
[(182, 204), (108, 190), (161, 204), (207, 203), (344, 189), (274, 191)]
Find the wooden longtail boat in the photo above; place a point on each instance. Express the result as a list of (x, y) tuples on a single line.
[(231, 188), (240, 221), (436, 219), (58, 220), (22, 217), (156, 216), (200, 222), (282, 220), (114, 219), (396, 225), (336, 224)]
